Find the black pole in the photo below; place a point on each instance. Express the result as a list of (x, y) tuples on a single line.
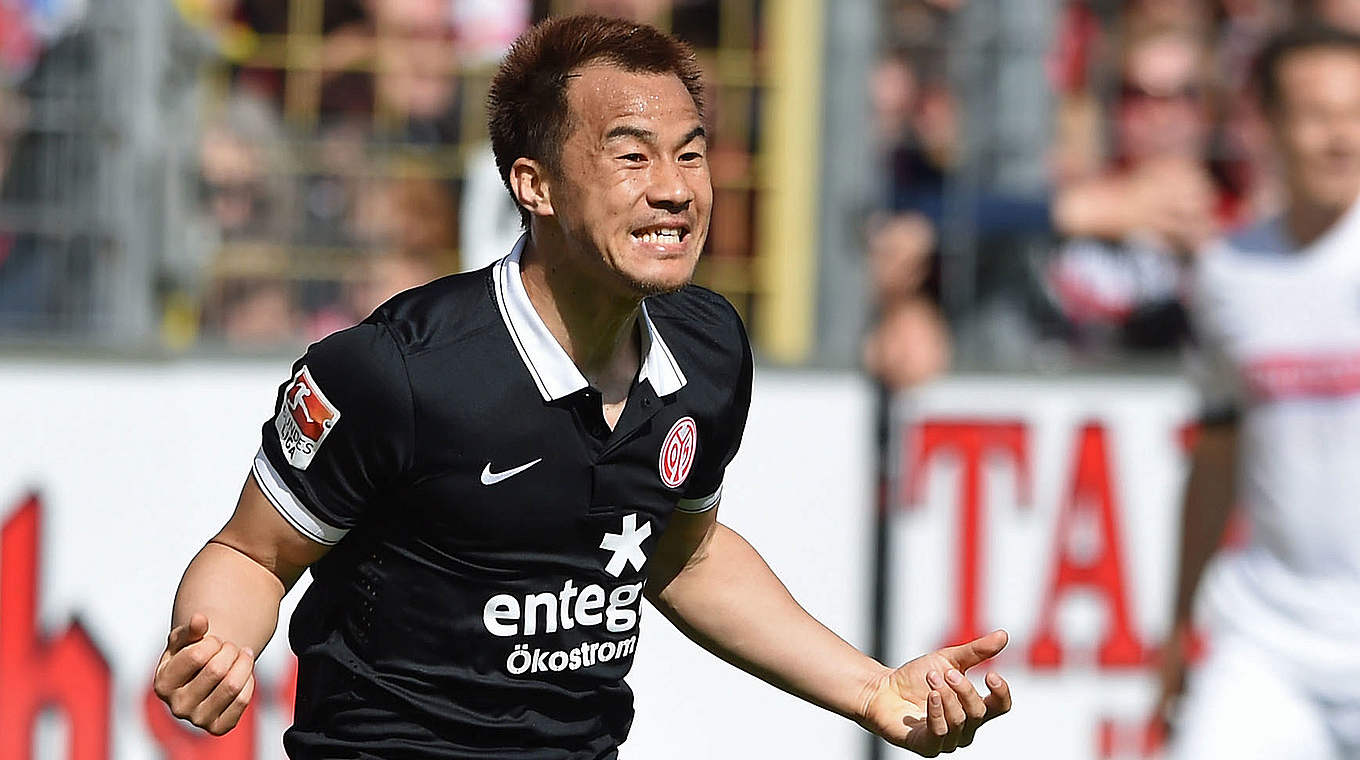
[(879, 588)]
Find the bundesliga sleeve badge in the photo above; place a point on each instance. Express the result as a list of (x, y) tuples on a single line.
[(677, 452), (305, 419)]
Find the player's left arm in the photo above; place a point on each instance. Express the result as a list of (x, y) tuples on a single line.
[(713, 586)]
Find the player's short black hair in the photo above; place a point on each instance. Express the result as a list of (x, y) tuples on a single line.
[(527, 104), (1311, 35)]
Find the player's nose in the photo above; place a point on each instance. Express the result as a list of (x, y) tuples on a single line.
[(669, 188)]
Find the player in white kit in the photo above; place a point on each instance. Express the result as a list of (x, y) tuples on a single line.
[(1277, 312)]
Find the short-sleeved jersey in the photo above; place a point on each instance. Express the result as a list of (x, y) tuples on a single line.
[(490, 531), (1279, 333)]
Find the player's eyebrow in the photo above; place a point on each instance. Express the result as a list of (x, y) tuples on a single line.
[(648, 136), (625, 130), (698, 131)]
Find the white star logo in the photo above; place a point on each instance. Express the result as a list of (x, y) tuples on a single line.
[(627, 546)]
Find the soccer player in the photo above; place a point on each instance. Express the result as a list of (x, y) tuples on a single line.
[(1277, 309), (489, 473)]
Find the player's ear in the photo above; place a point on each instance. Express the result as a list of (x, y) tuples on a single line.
[(532, 187)]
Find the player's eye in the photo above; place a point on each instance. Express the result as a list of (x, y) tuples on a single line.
[(691, 157), (635, 158)]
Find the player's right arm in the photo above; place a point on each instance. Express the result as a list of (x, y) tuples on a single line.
[(1208, 501), (341, 435), (226, 610), (1210, 490)]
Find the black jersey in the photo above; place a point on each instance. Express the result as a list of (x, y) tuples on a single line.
[(490, 531)]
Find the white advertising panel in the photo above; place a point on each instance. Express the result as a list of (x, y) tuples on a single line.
[(113, 475), (1048, 508)]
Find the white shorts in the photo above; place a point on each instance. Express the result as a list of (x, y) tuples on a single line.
[(1243, 704)]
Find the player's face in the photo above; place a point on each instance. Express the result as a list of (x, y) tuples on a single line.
[(635, 196), (1317, 126)]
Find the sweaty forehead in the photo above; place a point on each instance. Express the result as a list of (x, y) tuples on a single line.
[(600, 95)]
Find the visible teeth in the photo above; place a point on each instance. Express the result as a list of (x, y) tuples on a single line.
[(668, 235)]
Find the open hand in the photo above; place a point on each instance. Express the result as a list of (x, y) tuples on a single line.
[(929, 706), (204, 680)]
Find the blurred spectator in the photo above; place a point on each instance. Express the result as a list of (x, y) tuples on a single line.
[(409, 214), (381, 276), (409, 227), (14, 112), (1247, 24), (1342, 13), (27, 28), (1162, 107), (1119, 281), (909, 344), (331, 190), (644, 11), (1142, 17), (918, 127), (916, 124), (1184, 159), (47, 261), (247, 199), (253, 312), (485, 28), (240, 155), (415, 62)]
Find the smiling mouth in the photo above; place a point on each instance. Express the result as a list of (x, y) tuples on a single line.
[(662, 234)]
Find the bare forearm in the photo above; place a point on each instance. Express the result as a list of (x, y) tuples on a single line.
[(730, 602), (239, 597), (1209, 497)]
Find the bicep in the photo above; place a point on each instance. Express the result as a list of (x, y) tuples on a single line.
[(1210, 490), (1215, 451), (257, 530), (684, 542)]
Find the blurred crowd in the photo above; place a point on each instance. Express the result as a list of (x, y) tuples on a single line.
[(334, 153), (331, 153), (1157, 146), (388, 168), (373, 164)]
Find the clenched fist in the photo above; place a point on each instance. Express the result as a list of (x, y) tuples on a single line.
[(204, 680)]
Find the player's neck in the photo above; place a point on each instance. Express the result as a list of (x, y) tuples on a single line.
[(1306, 222), (596, 328)]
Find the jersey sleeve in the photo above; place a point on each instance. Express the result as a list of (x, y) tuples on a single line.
[(342, 432), (704, 488), (1208, 364)]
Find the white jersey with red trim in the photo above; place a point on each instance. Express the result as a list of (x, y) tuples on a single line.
[(1279, 329)]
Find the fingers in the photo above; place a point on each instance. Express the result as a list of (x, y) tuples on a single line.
[(194, 693), (186, 634), (974, 708), (965, 656), (954, 715), (998, 702), (232, 715), (204, 680), (213, 708), (935, 719), (183, 666)]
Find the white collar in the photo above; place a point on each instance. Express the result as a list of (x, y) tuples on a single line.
[(553, 371)]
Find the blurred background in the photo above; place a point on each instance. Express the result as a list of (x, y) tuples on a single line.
[(912, 185), (958, 224)]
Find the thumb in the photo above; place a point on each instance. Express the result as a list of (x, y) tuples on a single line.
[(965, 656), (182, 636)]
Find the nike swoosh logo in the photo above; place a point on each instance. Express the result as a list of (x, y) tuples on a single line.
[(490, 478)]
